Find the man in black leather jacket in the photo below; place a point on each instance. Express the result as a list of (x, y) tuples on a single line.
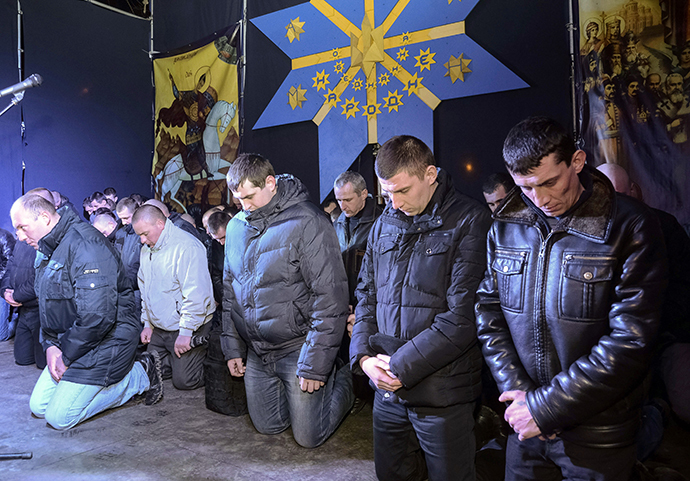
[(568, 310), (414, 334)]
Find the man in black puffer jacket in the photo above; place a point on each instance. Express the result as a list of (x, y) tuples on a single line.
[(568, 310), (88, 325), (284, 305), (414, 334)]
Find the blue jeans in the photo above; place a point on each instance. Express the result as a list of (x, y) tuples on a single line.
[(276, 402), (413, 443), (64, 404), (557, 459)]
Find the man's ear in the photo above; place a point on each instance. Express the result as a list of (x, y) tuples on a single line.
[(578, 160), (430, 174), (271, 183)]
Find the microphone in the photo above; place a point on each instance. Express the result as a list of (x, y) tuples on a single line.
[(29, 82)]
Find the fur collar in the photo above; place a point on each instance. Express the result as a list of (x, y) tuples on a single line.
[(592, 219)]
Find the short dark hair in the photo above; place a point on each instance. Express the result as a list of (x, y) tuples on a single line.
[(217, 220), (126, 203), (249, 167), (533, 139), (97, 197), (138, 198), (109, 191), (497, 179), (103, 211), (403, 153)]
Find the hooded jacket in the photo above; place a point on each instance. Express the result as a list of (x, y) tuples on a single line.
[(175, 285), (86, 303), (285, 285), (569, 315), (416, 298)]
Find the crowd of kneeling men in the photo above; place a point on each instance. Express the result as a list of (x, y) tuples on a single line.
[(559, 293)]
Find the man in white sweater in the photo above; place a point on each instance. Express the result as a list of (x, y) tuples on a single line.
[(176, 296)]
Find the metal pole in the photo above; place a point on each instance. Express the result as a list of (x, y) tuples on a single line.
[(20, 67), (572, 31)]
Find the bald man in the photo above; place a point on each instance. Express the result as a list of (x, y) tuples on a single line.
[(88, 326), (176, 295), (176, 218)]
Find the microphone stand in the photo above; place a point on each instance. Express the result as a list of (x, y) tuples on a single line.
[(15, 100)]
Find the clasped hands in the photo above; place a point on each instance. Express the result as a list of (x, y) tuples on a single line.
[(518, 416), (379, 371)]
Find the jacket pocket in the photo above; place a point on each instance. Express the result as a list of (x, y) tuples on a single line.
[(509, 269), (584, 287), (91, 294), (430, 264), (385, 250)]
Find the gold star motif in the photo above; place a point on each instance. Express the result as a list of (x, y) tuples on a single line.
[(413, 84), (294, 29), (339, 66), (350, 108), (321, 80), (425, 59), (357, 84), (371, 85), (402, 54), (395, 68), (393, 101), (366, 50), (335, 53), (346, 79), (370, 110), (384, 78), (406, 38), (296, 96), (457, 67), (332, 98)]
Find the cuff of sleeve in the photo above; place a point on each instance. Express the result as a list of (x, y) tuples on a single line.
[(186, 332)]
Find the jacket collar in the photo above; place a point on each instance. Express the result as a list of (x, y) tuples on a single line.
[(290, 191), (164, 237), (431, 217), (592, 219), (52, 239), (368, 213)]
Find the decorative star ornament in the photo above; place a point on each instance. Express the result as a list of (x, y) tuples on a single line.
[(294, 29), (366, 44), (456, 68)]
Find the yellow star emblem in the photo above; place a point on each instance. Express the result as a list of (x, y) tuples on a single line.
[(321, 80), (357, 84), (402, 54), (339, 67), (425, 59), (350, 108), (393, 101), (457, 67), (296, 96), (332, 98), (384, 78), (294, 29), (413, 85), (406, 38), (370, 110)]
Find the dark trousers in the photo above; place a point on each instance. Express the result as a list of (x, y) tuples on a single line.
[(187, 370), (556, 459), (27, 347), (416, 443)]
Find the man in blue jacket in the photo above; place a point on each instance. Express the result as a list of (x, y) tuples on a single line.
[(414, 333), (284, 305), (88, 326)]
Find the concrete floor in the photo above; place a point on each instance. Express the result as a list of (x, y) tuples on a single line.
[(176, 439), (179, 439)]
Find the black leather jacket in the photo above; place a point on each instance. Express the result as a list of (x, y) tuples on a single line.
[(353, 248), (6, 245), (416, 298), (570, 315)]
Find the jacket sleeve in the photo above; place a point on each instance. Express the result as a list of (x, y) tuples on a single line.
[(322, 268), (452, 332), (230, 340), (365, 311), (195, 285), (493, 332), (94, 274), (6, 246), (141, 281), (620, 360)]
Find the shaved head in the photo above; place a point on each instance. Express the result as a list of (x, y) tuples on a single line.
[(157, 203), (149, 214), (148, 223), (43, 192), (618, 177)]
